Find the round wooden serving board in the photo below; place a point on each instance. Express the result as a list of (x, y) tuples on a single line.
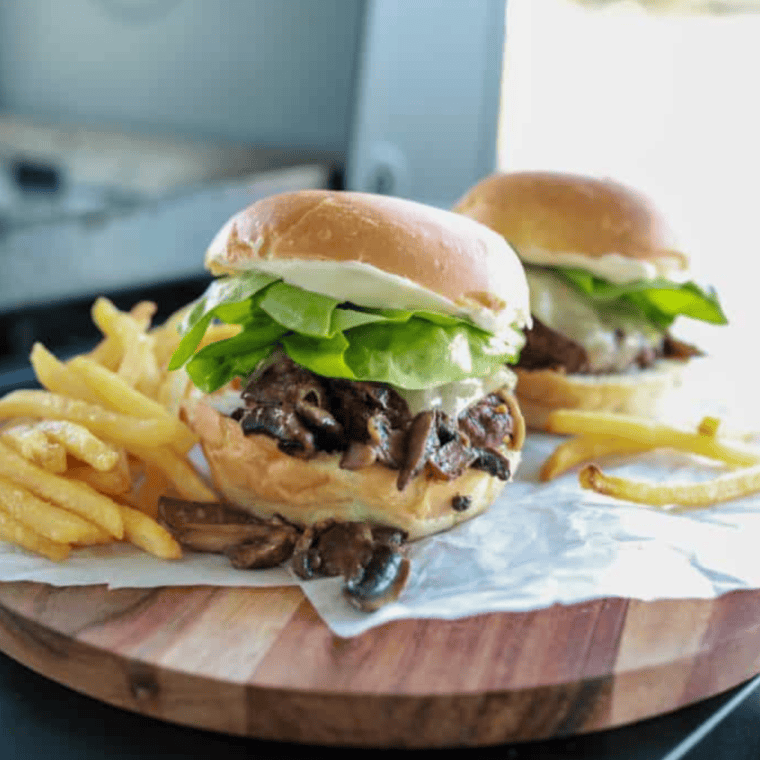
[(260, 662)]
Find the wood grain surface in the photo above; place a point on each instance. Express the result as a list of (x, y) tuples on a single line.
[(260, 662)]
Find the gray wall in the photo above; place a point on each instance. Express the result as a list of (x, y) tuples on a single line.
[(272, 72), (427, 97)]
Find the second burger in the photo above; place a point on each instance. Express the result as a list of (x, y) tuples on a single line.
[(606, 285)]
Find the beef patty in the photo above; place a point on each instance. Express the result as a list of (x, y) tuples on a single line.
[(547, 349)]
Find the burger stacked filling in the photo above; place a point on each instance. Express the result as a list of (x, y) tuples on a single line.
[(415, 391), (585, 324), (370, 422)]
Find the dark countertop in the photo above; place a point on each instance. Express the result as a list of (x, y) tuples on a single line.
[(40, 718)]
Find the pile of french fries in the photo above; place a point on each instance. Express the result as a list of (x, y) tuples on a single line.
[(601, 434), (86, 460)]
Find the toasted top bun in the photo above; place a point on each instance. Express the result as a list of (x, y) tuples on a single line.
[(555, 219), (377, 251)]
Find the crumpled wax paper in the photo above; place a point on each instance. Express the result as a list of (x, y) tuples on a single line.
[(539, 544)]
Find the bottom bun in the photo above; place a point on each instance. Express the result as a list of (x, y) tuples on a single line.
[(251, 472), (539, 392)]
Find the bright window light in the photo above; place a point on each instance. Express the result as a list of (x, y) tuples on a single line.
[(669, 104)]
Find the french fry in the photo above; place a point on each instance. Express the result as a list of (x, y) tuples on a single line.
[(119, 428), (649, 434), (145, 532), (69, 494), (107, 353), (166, 337), (143, 313), (52, 522), (115, 393), (138, 365), (153, 486), (732, 485), (16, 532), (110, 322), (178, 470), (81, 443), (173, 390), (32, 443), (111, 482), (582, 448), (140, 368), (54, 375), (99, 537)]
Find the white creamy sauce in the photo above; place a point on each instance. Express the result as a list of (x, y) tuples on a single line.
[(611, 266), (564, 310), (452, 398)]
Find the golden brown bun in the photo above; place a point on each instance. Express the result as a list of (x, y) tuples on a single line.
[(541, 391), (253, 473), (439, 251), (541, 213)]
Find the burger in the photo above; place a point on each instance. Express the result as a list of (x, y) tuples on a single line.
[(606, 284), (369, 381)]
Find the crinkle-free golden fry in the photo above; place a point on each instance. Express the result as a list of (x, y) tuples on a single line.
[(582, 448), (140, 368), (56, 377), (48, 520), (143, 313), (112, 482), (178, 470), (173, 391), (138, 365), (145, 532), (732, 485), (153, 485), (81, 443), (166, 337), (115, 393), (15, 532), (118, 428), (70, 494), (29, 441), (650, 434)]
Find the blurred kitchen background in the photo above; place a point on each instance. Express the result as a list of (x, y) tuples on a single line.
[(131, 129)]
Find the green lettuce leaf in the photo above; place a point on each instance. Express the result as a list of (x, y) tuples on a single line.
[(415, 354), (660, 301), (229, 300), (409, 349)]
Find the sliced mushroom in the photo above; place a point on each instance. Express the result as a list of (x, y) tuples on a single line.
[(219, 528), (370, 559), (381, 581), (179, 513), (420, 445), (219, 538), (332, 548), (268, 550)]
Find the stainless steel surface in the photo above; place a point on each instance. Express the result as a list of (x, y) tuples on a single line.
[(123, 245)]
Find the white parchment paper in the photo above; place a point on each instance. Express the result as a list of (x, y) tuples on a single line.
[(539, 544)]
